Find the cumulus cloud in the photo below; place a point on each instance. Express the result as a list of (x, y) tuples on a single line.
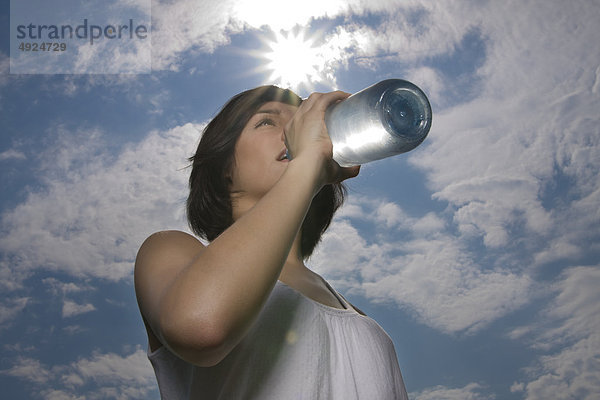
[(568, 331), (188, 26), (524, 152), (11, 307), (12, 154), (57, 287), (105, 57), (107, 375), (133, 368), (577, 307), (411, 31), (472, 391), (30, 369), (284, 15), (569, 373), (96, 208), (431, 82), (418, 265), (70, 308)]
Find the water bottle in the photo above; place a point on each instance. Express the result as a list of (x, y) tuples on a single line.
[(388, 118)]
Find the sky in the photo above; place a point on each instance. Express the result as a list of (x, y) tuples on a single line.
[(478, 252)]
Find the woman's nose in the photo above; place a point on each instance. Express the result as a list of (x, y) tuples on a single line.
[(283, 135), (287, 151)]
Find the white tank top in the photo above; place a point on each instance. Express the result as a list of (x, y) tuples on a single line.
[(297, 349)]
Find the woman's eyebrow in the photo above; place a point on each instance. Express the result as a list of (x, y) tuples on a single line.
[(269, 111)]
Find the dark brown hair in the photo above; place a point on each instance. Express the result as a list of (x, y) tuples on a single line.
[(209, 209)]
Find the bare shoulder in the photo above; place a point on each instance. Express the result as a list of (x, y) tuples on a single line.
[(169, 241), (166, 251)]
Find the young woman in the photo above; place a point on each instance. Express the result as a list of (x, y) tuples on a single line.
[(243, 317)]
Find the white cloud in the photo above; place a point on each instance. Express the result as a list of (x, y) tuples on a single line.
[(284, 15), (577, 306), (472, 391), (104, 375), (431, 82), (18, 348), (341, 251), (61, 288), (29, 369), (71, 309), (568, 330), (421, 268), (10, 308), (390, 214), (74, 329), (60, 395), (12, 154), (570, 373), (106, 57), (188, 26), (412, 31), (96, 208), (112, 368), (524, 152), (430, 223)]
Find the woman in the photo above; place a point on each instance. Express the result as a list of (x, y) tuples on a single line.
[(243, 317)]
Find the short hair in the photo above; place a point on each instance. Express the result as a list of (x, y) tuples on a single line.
[(209, 205)]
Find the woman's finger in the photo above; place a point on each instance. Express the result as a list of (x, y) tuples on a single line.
[(343, 173)]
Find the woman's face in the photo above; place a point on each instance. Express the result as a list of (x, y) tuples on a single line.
[(260, 151)]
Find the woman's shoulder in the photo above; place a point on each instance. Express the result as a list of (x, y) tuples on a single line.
[(170, 246), (171, 237)]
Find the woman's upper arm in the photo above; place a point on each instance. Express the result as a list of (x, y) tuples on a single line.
[(158, 263)]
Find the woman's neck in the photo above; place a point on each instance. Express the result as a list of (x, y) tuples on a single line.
[(294, 264)]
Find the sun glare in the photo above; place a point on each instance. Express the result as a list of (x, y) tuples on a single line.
[(294, 60)]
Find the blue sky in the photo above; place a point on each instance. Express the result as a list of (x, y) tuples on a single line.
[(477, 252)]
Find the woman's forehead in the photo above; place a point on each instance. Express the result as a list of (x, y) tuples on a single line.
[(276, 108)]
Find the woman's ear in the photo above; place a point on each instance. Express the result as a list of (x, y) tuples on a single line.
[(229, 173), (228, 177)]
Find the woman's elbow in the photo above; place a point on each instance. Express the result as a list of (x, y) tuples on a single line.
[(197, 341)]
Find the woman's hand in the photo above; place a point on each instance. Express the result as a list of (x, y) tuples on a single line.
[(306, 137)]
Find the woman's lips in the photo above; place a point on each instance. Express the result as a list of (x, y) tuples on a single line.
[(283, 156)]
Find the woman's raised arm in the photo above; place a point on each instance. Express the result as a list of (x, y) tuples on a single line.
[(199, 300)]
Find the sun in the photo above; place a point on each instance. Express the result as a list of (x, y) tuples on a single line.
[(294, 60)]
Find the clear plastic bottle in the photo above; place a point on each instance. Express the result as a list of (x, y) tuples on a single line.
[(388, 118)]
